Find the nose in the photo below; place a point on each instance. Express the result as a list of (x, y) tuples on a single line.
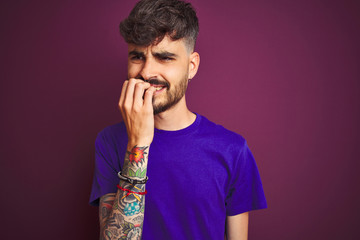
[(148, 70)]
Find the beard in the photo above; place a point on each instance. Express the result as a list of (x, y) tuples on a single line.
[(171, 98)]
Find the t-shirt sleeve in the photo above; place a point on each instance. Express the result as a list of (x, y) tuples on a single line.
[(246, 192), (105, 173)]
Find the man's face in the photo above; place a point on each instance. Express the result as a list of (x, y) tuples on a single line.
[(165, 66)]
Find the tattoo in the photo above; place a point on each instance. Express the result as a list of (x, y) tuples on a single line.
[(122, 214), (139, 173), (115, 220), (108, 234), (134, 233), (137, 219), (115, 206), (106, 203), (105, 212), (131, 232), (131, 209), (132, 200), (137, 155)]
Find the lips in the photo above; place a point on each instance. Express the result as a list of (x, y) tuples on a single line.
[(158, 84)]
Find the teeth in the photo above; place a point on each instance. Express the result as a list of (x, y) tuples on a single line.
[(158, 88)]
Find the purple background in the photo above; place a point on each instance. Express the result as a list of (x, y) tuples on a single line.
[(284, 74)]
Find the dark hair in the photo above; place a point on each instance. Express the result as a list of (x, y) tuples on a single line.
[(151, 20)]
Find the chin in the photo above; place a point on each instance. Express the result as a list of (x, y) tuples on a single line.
[(161, 107)]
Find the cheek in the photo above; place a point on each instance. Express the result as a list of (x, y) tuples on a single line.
[(133, 70), (175, 73)]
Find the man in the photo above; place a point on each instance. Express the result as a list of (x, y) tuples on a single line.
[(200, 180)]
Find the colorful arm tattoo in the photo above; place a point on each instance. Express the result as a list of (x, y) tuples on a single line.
[(122, 214), (137, 155)]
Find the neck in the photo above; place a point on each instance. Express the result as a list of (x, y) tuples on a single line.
[(176, 118)]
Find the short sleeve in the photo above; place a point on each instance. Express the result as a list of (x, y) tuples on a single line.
[(246, 191), (105, 173)]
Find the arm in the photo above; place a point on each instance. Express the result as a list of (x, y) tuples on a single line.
[(237, 226), (121, 214)]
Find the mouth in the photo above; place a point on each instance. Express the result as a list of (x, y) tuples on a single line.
[(157, 84), (158, 87)]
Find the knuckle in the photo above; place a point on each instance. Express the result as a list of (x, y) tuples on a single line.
[(126, 107), (122, 110), (136, 109), (132, 80), (139, 85), (149, 92)]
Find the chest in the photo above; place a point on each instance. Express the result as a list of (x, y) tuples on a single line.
[(190, 171)]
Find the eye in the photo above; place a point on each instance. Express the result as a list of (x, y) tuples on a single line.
[(134, 57), (166, 59)]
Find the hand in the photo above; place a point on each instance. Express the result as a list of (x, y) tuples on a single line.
[(136, 109)]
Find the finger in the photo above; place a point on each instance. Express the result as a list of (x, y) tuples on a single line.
[(148, 96), (129, 93), (139, 93), (123, 92)]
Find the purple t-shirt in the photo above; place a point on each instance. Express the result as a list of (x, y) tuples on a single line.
[(197, 177)]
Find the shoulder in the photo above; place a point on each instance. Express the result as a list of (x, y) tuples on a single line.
[(221, 134)]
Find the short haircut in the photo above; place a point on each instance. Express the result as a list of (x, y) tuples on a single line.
[(151, 20)]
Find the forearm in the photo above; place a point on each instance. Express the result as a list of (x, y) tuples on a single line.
[(125, 218), (237, 226), (122, 215)]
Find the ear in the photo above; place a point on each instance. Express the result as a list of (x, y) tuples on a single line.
[(194, 64)]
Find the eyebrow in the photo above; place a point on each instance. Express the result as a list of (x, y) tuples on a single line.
[(163, 54), (136, 53)]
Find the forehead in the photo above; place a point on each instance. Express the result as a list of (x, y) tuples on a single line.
[(166, 44)]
